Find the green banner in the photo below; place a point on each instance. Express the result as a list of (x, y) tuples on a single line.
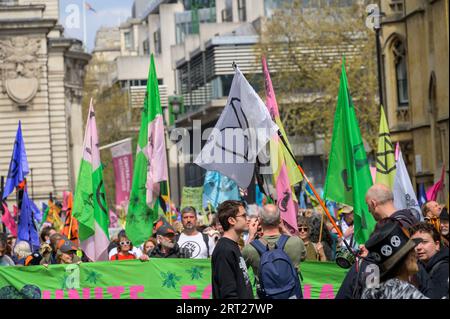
[(192, 196), (134, 279)]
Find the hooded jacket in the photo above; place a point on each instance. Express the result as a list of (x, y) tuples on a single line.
[(433, 276)]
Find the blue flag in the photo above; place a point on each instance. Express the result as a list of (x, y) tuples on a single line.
[(258, 196), (218, 188), (18, 167), (27, 229), (36, 212), (422, 195)]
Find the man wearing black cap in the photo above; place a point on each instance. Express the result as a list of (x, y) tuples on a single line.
[(395, 261), (165, 237)]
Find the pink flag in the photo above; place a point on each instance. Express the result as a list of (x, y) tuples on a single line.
[(66, 196), (9, 221), (434, 190), (123, 171), (285, 198)]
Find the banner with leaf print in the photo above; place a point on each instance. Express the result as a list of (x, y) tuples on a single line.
[(134, 279)]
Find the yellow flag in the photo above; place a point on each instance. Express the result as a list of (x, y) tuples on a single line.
[(386, 166)]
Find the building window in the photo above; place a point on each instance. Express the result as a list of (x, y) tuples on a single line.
[(128, 40), (242, 9), (157, 41), (401, 73), (396, 6), (8, 2), (146, 47), (227, 13)]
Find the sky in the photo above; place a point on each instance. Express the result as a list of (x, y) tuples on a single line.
[(107, 13)]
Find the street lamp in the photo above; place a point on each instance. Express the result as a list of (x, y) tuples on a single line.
[(374, 21), (176, 107)]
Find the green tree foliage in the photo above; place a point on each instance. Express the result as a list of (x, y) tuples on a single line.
[(304, 48)]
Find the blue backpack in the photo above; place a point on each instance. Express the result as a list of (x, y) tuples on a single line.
[(278, 278)]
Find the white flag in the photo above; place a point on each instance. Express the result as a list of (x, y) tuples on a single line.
[(242, 131), (404, 195)]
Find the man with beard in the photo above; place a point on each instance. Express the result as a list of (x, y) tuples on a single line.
[(198, 245), (165, 237)]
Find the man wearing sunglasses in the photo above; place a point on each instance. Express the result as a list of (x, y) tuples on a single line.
[(230, 278)]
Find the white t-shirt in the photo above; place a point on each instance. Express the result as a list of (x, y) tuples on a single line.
[(135, 251), (196, 245)]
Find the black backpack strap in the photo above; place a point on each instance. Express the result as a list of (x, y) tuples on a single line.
[(259, 246), (282, 241), (206, 240)]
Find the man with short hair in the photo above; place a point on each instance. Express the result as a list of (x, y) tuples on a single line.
[(380, 201), (230, 279), (433, 260), (270, 222), (431, 211), (198, 245), (166, 246)]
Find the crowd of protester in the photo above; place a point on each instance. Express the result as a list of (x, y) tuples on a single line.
[(420, 272)]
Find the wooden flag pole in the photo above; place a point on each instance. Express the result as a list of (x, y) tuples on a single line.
[(321, 228)]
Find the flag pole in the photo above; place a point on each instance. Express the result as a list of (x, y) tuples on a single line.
[(2, 186), (321, 228), (311, 186), (84, 26)]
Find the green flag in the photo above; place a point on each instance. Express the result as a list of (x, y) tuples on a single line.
[(386, 166), (150, 165), (90, 207), (348, 174)]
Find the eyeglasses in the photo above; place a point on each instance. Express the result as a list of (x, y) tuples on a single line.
[(122, 243), (243, 215), (304, 229)]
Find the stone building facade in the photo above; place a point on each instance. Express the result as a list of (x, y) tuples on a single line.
[(41, 79), (415, 56)]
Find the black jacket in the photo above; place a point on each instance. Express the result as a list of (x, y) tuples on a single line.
[(404, 217), (230, 278), (433, 276), (354, 282), (173, 253)]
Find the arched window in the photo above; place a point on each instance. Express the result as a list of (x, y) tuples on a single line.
[(401, 73)]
